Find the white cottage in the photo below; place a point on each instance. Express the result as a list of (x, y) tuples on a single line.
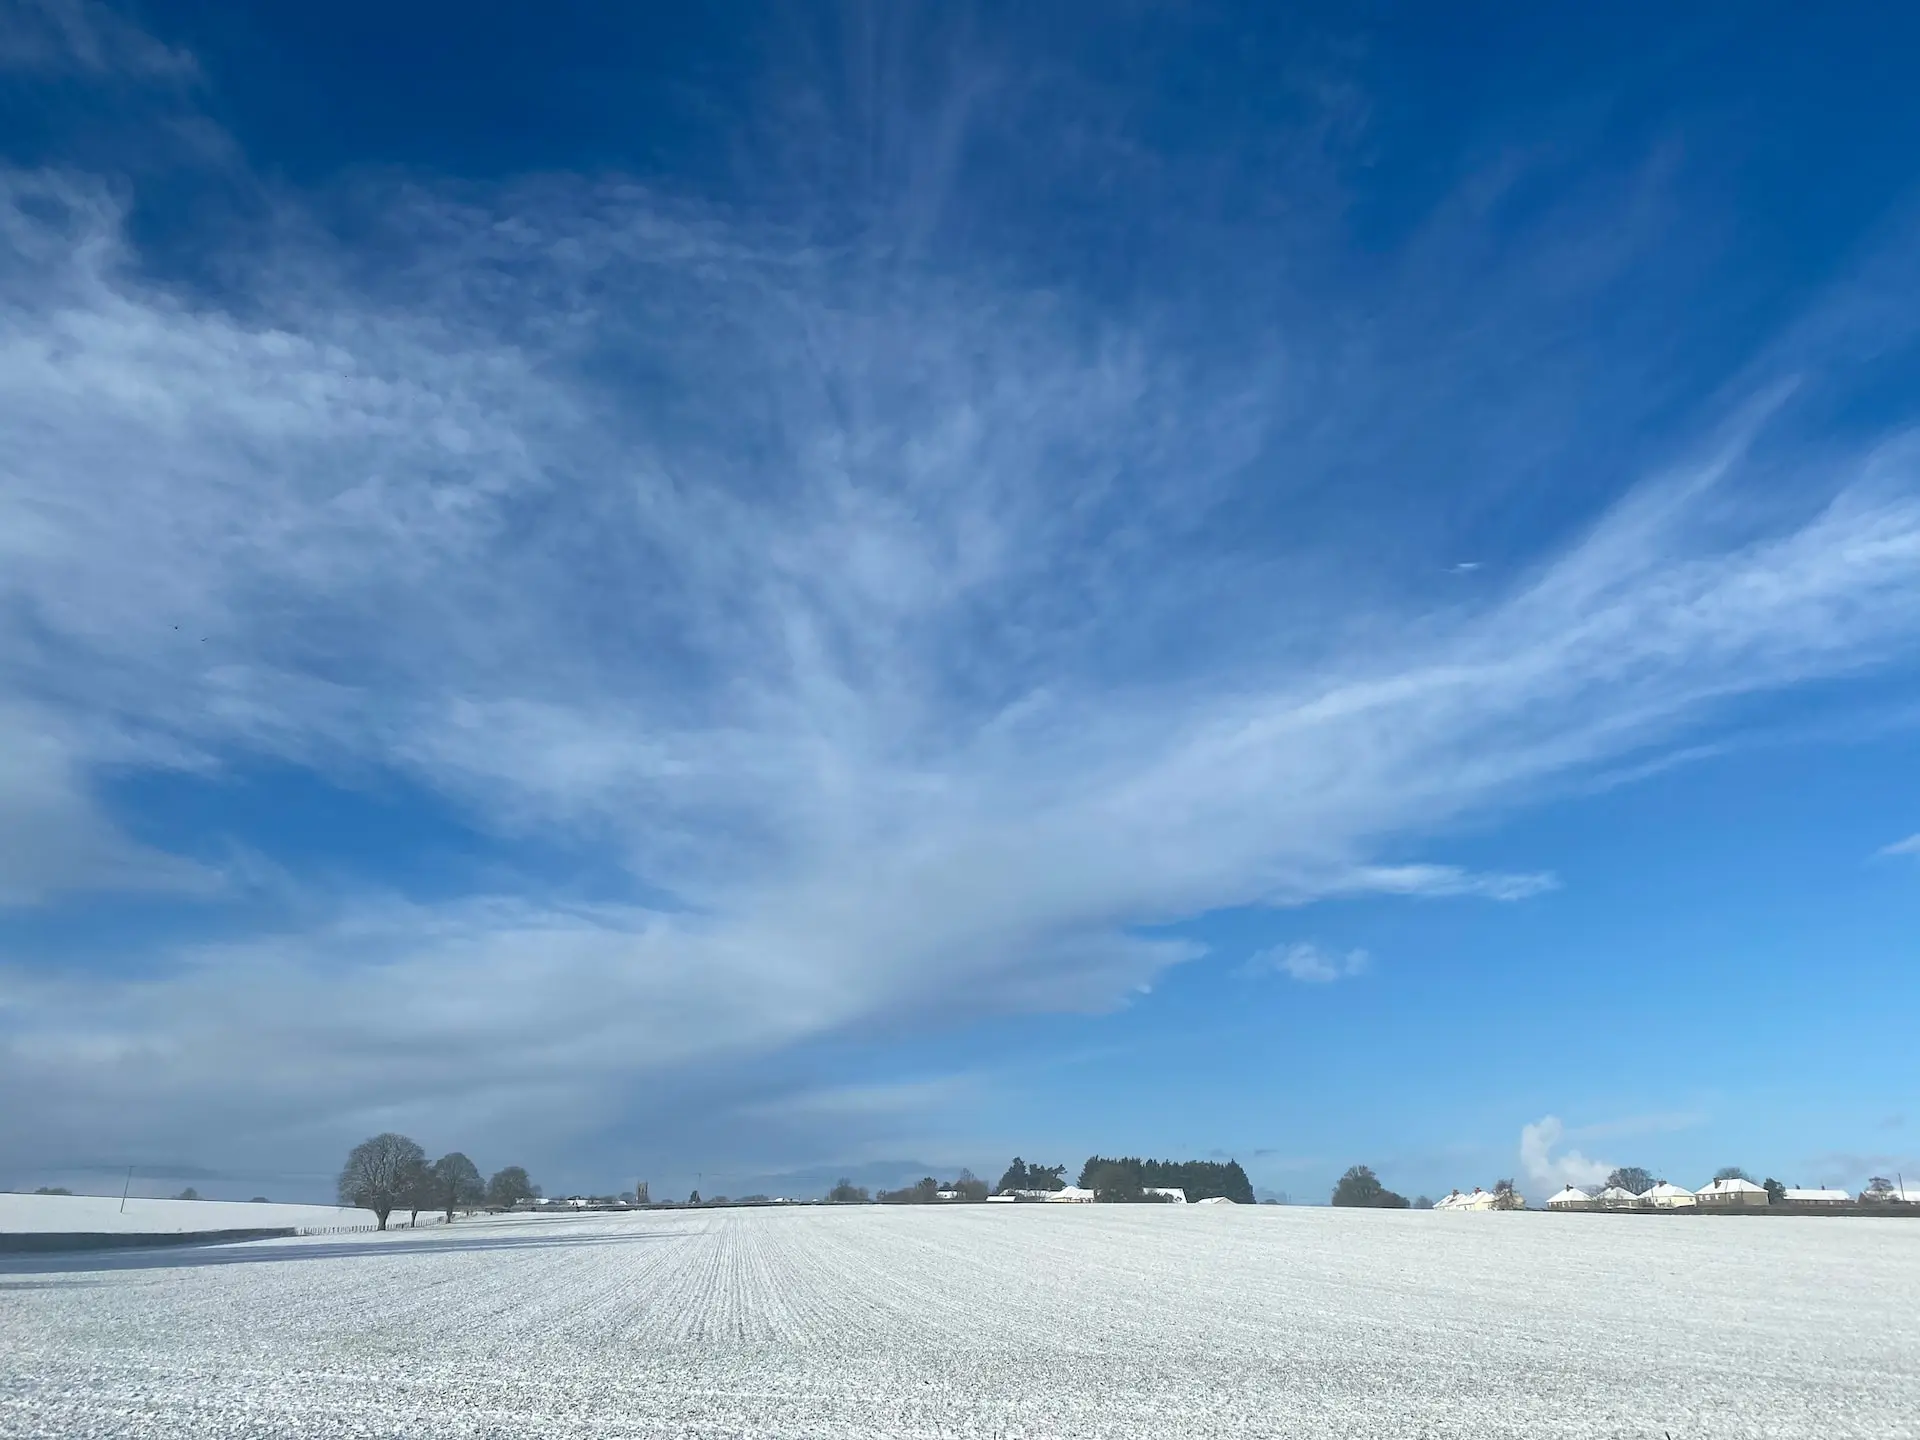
[(1614, 1197), (1670, 1197), (1734, 1194), (1490, 1200), (1570, 1199)]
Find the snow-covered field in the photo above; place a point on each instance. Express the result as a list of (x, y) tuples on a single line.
[(986, 1320), (103, 1215)]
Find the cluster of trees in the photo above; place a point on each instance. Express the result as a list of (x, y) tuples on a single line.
[(1128, 1179), (1361, 1188), (1022, 1176), (390, 1172), (966, 1187)]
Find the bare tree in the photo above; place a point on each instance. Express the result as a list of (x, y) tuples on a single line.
[(1633, 1179), (456, 1184), (382, 1174)]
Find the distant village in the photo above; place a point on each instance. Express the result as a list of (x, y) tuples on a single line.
[(1723, 1193), (1108, 1182)]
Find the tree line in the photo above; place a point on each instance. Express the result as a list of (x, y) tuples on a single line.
[(1129, 1178), (390, 1172), (964, 1188), (1112, 1180)]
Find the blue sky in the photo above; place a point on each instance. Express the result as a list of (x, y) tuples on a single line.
[(862, 590)]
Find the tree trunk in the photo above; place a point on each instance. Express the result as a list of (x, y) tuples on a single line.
[(382, 1214)]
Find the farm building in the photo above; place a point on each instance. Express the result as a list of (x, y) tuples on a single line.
[(1828, 1198), (1483, 1200), (1570, 1199), (1734, 1194), (1670, 1197), (1215, 1200), (1070, 1195)]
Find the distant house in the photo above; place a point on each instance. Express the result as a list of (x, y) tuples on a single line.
[(1214, 1200), (1168, 1195), (1616, 1198), (1826, 1199), (1069, 1195), (1570, 1199), (948, 1195), (1670, 1197), (1733, 1194), (1892, 1195), (1455, 1201), (1005, 1197)]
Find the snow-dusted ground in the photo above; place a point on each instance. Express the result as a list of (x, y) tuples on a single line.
[(102, 1215), (988, 1320)]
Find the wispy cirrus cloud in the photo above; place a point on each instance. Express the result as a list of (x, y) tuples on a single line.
[(1303, 960), (87, 37), (1908, 846), (1441, 881), (882, 611)]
